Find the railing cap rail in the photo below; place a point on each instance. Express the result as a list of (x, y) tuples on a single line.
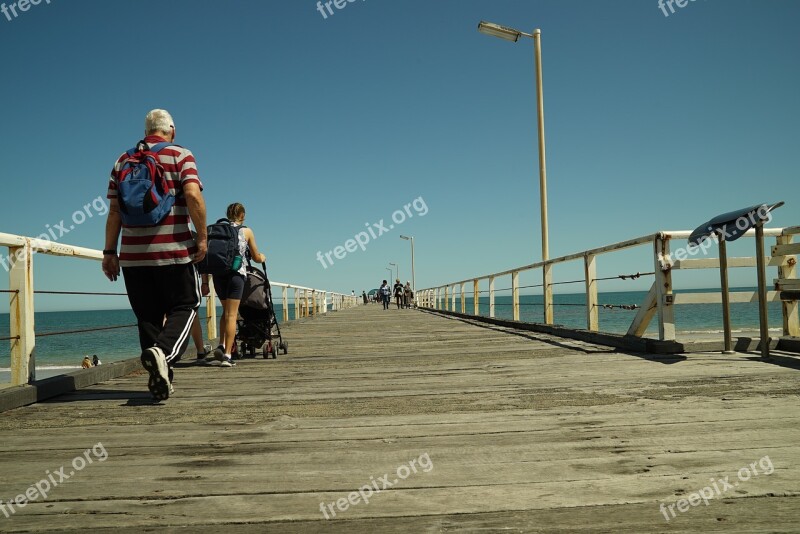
[(663, 234)]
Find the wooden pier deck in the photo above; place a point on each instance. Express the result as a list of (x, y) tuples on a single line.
[(477, 427)]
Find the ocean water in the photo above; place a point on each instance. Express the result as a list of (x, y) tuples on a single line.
[(60, 353), (570, 311)]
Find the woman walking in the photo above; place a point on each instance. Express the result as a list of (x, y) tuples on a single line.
[(231, 286)]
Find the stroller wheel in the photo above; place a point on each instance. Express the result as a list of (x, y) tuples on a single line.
[(285, 347), (274, 351)]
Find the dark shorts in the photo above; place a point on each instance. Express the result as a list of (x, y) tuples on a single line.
[(229, 287)]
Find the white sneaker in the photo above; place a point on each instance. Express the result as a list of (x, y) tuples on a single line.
[(226, 362), (154, 361)]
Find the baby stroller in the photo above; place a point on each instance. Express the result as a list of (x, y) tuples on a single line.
[(257, 324)]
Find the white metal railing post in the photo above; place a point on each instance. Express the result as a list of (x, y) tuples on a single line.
[(491, 296), (590, 273), (547, 290), (21, 316), (463, 291), (788, 270), (664, 297), (515, 293), (296, 303), (476, 297), (285, 303), (446, 299), (211, 310), (453, 298)]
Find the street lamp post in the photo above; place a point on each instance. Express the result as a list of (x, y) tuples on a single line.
[(510, 34), (398, 270), (413, 278)]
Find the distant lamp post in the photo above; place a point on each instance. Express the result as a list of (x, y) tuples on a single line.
[(390, 272), (510, 34), (413, 278), (398, 270)]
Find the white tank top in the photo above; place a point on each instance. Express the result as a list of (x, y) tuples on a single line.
[(242, 249)]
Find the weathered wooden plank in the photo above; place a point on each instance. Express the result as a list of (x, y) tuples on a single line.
[(787, 284), (713, 263), (518, 426), (786, 250)]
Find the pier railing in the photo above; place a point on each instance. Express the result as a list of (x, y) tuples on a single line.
[(661, 298), (306, 301)]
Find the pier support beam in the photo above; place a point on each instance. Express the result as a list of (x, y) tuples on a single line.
[(21, 318), (547, 292), (515, 294), (211, 310), (590, 273), (664, 298), (491, 296), (476, 297), (791, 323)]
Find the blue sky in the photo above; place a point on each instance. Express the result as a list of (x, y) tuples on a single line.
[(320, 126)]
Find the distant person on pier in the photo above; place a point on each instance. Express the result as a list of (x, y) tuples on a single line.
[(230, 287), (364, 296), (86, 363), (385, 292), (158, 251), (408, 294), (399, 291), (95, 361)]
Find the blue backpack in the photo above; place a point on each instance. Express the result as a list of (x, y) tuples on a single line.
[(222, 258), (142, 191)]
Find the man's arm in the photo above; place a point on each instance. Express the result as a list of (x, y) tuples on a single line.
[(197, 212), (113, 228)]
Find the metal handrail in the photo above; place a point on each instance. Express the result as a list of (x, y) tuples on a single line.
[(660, 299)]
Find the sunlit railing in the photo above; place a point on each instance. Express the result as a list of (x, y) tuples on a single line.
[(22, 336), (661, 298)]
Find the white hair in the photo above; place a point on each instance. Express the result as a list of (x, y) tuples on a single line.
[(158, 120)]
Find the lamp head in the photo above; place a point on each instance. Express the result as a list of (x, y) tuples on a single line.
[(503, 32)]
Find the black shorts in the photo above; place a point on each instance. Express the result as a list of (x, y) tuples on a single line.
[(229, 287)]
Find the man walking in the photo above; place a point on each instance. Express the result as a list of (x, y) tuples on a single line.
[(158, 260)]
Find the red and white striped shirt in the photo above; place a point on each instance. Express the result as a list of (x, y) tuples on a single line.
[(170, 242)]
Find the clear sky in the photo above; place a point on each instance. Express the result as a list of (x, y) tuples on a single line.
[(321, 126)]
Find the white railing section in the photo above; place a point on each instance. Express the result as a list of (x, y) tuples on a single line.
[(660, 300), (307, 301)]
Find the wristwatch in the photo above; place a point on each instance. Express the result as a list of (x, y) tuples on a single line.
[(109, 252)]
